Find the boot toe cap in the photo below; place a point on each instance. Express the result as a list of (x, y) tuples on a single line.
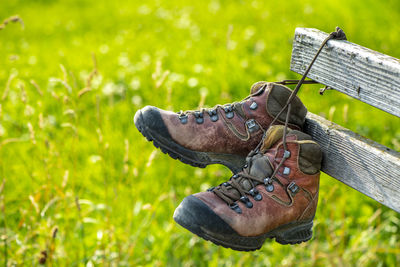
[(194, 215), (150, 118)]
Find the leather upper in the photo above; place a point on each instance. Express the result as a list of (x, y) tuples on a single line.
[(236, 135), (278, 207)]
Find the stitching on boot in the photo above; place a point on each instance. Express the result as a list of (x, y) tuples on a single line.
[(298, 157), (277, 199), (310, 205), (274, 197), (298, 152), (307, 193), (236, 132)]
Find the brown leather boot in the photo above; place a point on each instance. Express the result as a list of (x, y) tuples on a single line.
[(224, 134), (274, 196)]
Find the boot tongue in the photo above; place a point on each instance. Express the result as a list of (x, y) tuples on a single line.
[(255, 87), (259, 167)]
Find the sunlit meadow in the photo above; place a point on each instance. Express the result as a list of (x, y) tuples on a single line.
[(79, 185)]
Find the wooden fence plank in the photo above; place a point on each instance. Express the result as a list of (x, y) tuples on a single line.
[(363, 164), (364, 74)]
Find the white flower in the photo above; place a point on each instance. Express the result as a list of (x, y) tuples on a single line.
[(193, 82), (135, 84)]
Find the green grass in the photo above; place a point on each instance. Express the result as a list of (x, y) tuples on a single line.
[(78, 165)]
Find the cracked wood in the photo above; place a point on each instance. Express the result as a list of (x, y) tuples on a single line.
[(360, 163), (364, 74)]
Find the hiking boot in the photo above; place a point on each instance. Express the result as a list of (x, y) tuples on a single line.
[(224, 134), (255, 204)]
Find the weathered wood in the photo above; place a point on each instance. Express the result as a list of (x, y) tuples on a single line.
[(363, 164), (364, 74)]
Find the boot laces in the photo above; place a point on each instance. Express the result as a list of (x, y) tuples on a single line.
[(211, 111), (228, 191), (234, 189), (229, 109), (224, 191)]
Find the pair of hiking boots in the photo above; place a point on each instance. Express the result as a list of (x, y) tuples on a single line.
[(273, 191)]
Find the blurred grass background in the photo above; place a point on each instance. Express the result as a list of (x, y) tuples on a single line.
[(80, 186)]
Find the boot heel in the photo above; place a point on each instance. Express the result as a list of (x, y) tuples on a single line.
[(295, 234)]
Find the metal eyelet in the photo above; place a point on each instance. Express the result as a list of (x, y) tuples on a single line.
[(286, 154), (228, 108), (236, 208), (226, 184), (199, 117), (253, 106), (235, 176), (258, 197), (212, 112), (210, 189), (252, 125), (268, 184), (293, 188), (229, 112), (286, 171), (246, 201), (213, 115), (183, 118), (270, 188), (253, 191), (255, 194), (267, 180)]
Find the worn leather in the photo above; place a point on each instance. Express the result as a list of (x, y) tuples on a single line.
[(232, 136), (276, 208)]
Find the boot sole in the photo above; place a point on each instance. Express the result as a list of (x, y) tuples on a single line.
[(187, 156), (187, 214), (288, 234)]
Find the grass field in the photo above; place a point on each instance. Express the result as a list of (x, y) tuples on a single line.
[(79, 185)]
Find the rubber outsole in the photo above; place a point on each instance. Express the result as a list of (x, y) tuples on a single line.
[(187, 215), (164, 142)]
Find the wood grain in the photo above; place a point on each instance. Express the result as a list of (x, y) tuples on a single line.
[(364, 74), (363, 164)]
